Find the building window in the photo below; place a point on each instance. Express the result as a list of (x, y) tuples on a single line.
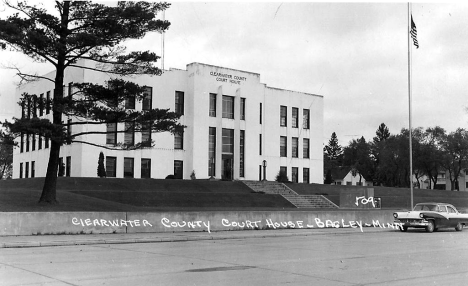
[(283, 116), (294, 173), (260, 144), (305, 175), (228, 107), (111, 165), (48, 102), (33, 169), (147, 102), (284, 170), (130, 102), (305, 119), (129, 136), (39, 140), (34, 106), (128, 167), (295, 143), (305, 148), (22, 143), (61, 167), (23, 109), (212, 104), (29, 111), (242, 108), (33, 143), (179, 102), (111, 135), (26, 170), (261, 112), (179, 140), (46, 142), (21, 171), (69, 131), (283, 146), (178, 169), (27, 142), (70, 91), (41, 104), (295, 117), (68, 166), (146, 135), (145, 168), (241, 153), (228, 141), (212, 151)]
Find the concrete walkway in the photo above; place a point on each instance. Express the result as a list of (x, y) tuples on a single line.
[(87, 239)]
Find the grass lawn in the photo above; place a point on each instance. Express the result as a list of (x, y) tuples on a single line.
[(136, 195)]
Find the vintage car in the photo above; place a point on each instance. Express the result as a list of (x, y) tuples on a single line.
[(431, 216)]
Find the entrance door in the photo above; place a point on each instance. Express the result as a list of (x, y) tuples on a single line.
[(227, 167)]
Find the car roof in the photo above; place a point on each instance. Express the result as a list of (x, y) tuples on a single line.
[(439, 204)]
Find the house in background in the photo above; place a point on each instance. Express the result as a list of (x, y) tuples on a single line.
[(345, 177)]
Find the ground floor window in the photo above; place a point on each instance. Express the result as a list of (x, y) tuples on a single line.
[(68, 166), (26, 170), (178, 169), (33, 169), (128, 167), (111, 163), (146, 168), (294, 174), (305, 175), (21, 171)]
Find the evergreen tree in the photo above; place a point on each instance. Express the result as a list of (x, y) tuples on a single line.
[(86, 30), (101, 170)]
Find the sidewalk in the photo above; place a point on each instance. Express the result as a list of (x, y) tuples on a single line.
[(89, 239)]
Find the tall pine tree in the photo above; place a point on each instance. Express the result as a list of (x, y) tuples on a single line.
[(94, 32)]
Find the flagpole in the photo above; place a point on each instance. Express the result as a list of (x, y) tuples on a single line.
[(409, 103)]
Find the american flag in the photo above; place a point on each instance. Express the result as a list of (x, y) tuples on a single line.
[(414, 33)]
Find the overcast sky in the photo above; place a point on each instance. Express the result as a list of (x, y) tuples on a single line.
[(354, 54)]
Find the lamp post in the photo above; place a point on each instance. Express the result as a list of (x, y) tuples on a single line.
[(264, 169), (212, 161)]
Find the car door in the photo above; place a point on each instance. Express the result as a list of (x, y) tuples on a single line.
[(443, 222), (453, 216)]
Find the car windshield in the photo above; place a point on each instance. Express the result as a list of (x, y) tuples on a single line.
[(425, 207)]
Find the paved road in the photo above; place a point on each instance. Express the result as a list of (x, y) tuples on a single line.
[(325, 257)]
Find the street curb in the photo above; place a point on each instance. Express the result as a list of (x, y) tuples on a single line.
[(178, 238)]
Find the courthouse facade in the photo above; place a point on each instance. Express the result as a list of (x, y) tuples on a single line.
[(237, 128)]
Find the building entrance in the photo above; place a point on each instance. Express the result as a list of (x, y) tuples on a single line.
[(227, 167)]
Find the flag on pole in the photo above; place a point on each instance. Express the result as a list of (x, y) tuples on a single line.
[(414, 33)]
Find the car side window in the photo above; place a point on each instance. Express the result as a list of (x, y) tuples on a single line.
[(451, 210), (442, 209)]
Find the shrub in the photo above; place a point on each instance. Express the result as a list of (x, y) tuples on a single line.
[(101, 170), (192, 176), (170, 177), (282, 177)]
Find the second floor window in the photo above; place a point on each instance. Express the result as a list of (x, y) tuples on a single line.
[(129, 138), (179, 141), (283, 116), (283, 146), (305, 119), (147, 98), (295, 117), (295, 143), (228, 107), (305, 148), (179, 102), (130, 102), (212, 104), (242, 108), (111, 135)]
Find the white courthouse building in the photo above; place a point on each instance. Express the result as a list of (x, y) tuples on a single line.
[(235, 126)]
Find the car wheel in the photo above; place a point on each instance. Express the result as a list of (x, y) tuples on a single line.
[(436, 228), (430, 227), (403, 228), (459, 227)]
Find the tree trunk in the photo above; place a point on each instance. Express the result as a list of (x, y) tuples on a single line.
[(49, 190)]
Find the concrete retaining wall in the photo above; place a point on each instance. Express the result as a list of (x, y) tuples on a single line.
[(121, 222)]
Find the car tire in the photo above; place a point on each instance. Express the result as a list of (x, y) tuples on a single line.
[(431, 226), (459, 227), (403, 228)]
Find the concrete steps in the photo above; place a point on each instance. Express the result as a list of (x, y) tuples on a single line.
[(300, 201)]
